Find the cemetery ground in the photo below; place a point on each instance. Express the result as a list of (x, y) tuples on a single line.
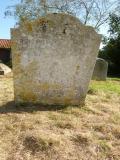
[(91, 132)]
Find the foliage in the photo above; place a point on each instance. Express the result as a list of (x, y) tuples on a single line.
[(111, 51), (114, 25), (90, 12)]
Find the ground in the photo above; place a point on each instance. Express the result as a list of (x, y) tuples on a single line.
[(91, 132)]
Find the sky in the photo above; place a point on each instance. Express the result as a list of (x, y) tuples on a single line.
[(6, 22), (9, 22)]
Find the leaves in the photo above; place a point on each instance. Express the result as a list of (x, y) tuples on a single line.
[(90, 12), (111, 52)]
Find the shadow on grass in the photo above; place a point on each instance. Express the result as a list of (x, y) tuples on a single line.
[(10, 107)]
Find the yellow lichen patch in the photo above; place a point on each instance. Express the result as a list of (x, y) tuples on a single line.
[(55, 100), (13, 43), (27, 96), (30, 24), (47, 86), (17, 58), (67, 100), (44, 86), (70, 100), (77, 67), (63, 100), (15, 46), (15, 32), (41, 21), (70, 93), (31, 66), (29, 27), (26, 93)]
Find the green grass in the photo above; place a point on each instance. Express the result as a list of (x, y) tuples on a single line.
[(114, 79), (110, 85), (105, 147)]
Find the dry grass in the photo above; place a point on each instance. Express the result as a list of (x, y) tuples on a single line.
[(73, 133)]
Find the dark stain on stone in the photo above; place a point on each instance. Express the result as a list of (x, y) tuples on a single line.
[(44, 27), (64, 31)]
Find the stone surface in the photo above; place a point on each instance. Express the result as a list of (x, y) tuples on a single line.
[(53, 60), (100, 70), (4, 69)]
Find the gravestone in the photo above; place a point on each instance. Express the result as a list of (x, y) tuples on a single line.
[(4, 69), (53, 60), (100, 70)]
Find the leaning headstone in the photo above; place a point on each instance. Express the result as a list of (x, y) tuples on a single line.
[(100, 70), (4, 69), (53, 60)]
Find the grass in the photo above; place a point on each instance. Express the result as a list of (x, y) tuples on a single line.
[(111, 85), (37, 144), (65, 125), (81, 140), (115, 118), (105, 147), (40, 133)]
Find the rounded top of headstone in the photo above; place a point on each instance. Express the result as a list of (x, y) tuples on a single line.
[(100, 60), (56, 21)]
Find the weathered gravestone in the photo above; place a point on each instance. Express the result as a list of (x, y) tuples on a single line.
[(100, 70), (53, 60)]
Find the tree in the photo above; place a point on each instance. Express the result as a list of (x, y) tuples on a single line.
[(90, 12), (114, 25), (111, 51)]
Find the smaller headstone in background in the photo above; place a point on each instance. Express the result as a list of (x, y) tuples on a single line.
[(4, 69), (100, 70)]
